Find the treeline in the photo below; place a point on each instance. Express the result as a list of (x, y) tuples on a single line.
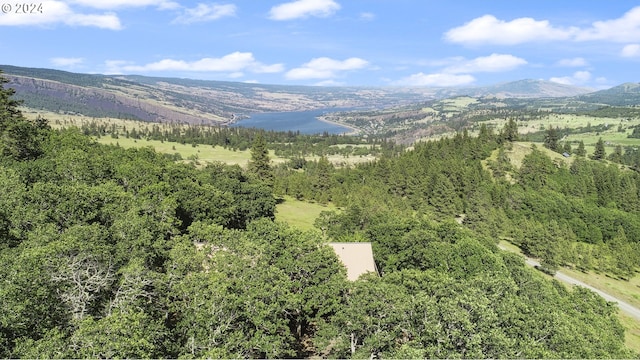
[(585, 215), (290, 144), (114, 253)]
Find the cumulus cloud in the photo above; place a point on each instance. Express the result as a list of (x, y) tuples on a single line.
[(234, 63), (488, 29), (325, 68), (623, 29), (574, 62), (303, 9), (631, 50), (58, 12), (66, 62), (578, 78), (205, 12), (491, 63)]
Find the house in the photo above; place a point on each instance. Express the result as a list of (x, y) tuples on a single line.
[(357, 257), (565, 154)]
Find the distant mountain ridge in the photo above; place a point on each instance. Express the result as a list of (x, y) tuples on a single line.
[(526, 88), (221, 102), (627, 94)]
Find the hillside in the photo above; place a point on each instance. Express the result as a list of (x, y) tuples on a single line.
[(627, 94), (184, 100), (219, 102), (527, 88), (119, 252)]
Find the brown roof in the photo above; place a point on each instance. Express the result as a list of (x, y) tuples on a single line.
[(357, 257)]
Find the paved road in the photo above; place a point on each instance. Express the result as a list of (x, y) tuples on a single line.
[(623, 306)]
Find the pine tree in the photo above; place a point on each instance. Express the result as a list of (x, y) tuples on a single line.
[(551, 139), (616, 156), (599, 153), (510, 131), (580, 151), (259, 165), (19, 138)]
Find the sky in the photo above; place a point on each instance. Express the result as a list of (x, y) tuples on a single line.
[(415, 43)]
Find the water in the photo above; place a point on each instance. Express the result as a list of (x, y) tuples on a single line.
[(303, 121)]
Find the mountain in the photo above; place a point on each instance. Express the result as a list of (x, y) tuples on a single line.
[(221, 102), (527, 88), (627, 94)]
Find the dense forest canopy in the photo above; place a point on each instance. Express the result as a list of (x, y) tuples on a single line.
[(109, 252)]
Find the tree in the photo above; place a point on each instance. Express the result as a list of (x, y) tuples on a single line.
[(510, 131), (20, 139), (616, 155), (580, 151), (259, 165), (551, 138), (599, 153)]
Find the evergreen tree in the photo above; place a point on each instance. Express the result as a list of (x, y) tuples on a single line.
[(616, 156), (19, 138), (580, 151), (259, 165), (551, 139), (567, 147), (510, 131), (599, 153)]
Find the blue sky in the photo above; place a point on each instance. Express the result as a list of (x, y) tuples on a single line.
[(331, 42)]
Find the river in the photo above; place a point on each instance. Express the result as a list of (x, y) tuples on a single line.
[(303, 121)]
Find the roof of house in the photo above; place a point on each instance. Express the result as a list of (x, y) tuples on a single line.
[(357, 257)]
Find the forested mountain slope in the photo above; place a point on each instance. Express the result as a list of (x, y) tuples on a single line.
[(109, 252)]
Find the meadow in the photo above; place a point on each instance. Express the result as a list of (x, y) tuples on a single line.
[(198, 154), (300, 214)]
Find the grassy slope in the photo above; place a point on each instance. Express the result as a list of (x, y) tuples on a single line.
[(300, 214), (204, 153)]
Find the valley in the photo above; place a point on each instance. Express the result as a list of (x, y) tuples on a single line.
[(190, 237)]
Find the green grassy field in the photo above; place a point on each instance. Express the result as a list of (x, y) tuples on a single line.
[(611, 136), (58, 121), (200, 153), (300, 214)]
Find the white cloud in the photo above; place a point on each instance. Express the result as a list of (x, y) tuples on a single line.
[(574, 62), (66, 62), (303, 9), (578, 78), (204, 12), (488, 29), (325, 68), (438, 79), (623, 29), (57, 12), (491, 63), (118, 4), (233, 63), (631, 50)]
